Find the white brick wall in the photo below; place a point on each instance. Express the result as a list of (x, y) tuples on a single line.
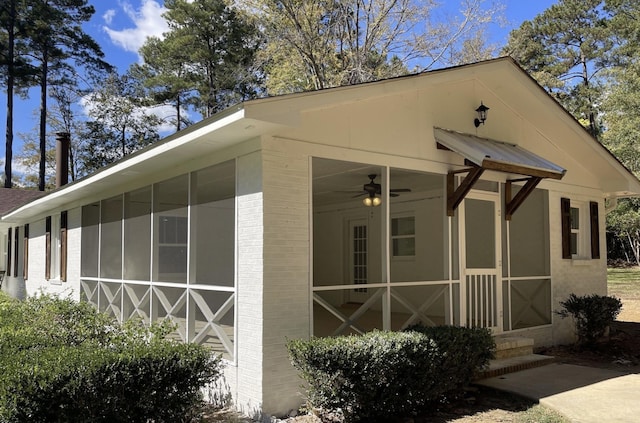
[(573, 276), (249, 342), (286, 273), (36, 282)]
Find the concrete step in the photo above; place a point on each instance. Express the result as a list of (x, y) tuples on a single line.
[(513, 346), (503, 366)]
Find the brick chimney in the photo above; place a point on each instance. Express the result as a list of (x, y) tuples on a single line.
[(62, 158)]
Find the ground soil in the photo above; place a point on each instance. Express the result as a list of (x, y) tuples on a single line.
[(619, 351)]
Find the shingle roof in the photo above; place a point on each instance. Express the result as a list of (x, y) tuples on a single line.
[(11, 198)]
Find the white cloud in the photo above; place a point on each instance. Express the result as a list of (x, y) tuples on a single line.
[(108, 16), (147, 20)]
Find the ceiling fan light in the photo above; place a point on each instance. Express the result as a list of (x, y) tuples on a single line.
[(372, 201)]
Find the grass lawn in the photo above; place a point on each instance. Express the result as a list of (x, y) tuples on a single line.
[(624, 283)]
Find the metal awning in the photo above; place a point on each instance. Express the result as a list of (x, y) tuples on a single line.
[(496, 155), (484, 154)]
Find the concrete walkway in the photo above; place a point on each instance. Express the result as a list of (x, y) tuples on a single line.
[(582, 394)]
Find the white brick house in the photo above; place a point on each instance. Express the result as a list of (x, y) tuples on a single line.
[(249, 228)]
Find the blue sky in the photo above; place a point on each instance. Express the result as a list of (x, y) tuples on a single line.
[(121, 26)]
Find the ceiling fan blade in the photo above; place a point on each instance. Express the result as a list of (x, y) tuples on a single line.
[(400, 190), (392, 194)]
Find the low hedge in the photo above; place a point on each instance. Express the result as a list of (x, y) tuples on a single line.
[(63, 361), (382, 375)]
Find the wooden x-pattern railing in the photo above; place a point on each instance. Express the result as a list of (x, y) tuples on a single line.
[(213, 324), (418, 313), (139, 305), (172, 309), (110, 299)]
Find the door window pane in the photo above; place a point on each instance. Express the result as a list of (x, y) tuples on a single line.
[(480, 234)]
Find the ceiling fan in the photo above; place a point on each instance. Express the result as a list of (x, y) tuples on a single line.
[(372, 188)]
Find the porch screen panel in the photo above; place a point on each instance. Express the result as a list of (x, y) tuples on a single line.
[(171, 199), (480, 234), (428, 305), (338, 193), (418, 232), (90, 240), (530, 303), (213, 225), (111, 238), (529, 237), (527, 282), (137, 235)]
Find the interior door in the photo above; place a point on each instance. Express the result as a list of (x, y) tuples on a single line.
[(482, 291)]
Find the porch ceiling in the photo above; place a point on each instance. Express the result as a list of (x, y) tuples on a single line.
[(495, 155)]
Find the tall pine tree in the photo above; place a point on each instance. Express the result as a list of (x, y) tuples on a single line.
[(59, 46), (566, 49)]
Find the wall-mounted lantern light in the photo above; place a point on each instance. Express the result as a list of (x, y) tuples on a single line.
[(482, 111)]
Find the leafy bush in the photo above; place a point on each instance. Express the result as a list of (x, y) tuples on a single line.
[(468, 350), (592, 315), (380, 375), (64, 361)]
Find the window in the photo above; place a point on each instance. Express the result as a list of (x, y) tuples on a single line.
[(403, 236), (55, 247), (172, 245), (170, 235), (577, 229)]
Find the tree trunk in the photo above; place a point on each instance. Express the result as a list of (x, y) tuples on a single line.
[(10, 82), (43, 120), (178, 114)]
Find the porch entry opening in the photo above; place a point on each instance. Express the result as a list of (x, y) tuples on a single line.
[(480, 250)]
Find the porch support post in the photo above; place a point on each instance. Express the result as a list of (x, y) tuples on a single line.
[(454, 198), (511, 205)]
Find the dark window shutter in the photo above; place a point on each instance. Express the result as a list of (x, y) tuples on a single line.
[(565, 207), (25, 254), (63, 246), (16, 244), (595, 230), (9, 241), (47, 242)]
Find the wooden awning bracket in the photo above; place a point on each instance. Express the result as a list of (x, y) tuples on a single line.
[(455, 196), (512, 204)]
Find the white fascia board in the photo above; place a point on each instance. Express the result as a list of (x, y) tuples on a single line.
[(59, 197)]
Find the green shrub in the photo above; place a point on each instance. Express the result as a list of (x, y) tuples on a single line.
[(468, 350), (381, 375), (64, 361), (592, 315)]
